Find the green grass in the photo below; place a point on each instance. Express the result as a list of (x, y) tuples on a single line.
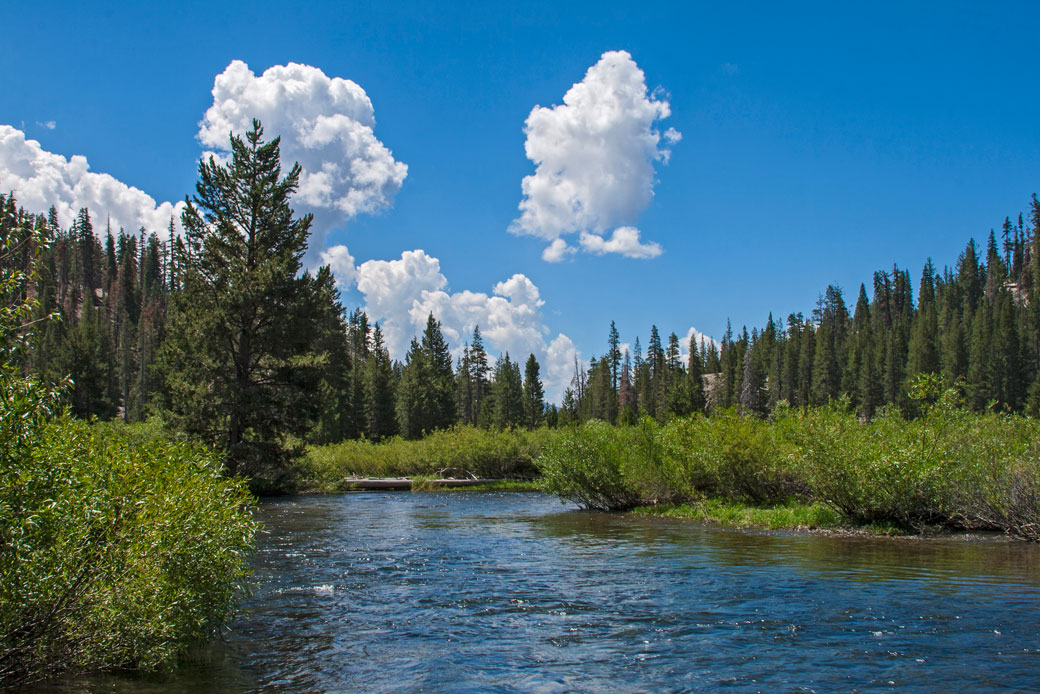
[(457, 452), (789, 516), (501, 486)]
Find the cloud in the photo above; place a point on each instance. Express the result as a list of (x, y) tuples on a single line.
[(559, 365), (624, 240), (39, 179), (341, 262), (325, 123), (557, 251), (594, 161), (49, 124), (701, 338), (402, 293)]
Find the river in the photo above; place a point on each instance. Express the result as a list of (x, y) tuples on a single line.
[(504, 592)]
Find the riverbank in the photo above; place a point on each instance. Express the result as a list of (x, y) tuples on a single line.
[(431, 484), (949, 469), (461, 452), (791, 516)]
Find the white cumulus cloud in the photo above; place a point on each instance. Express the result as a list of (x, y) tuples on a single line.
[(392, 286), (325, 123), (594, 161), (402, 293), (702, 340), (624, 240), (40, 179), (558, 251), (341, 262)]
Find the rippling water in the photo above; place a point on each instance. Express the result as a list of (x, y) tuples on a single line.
[(478, 592)]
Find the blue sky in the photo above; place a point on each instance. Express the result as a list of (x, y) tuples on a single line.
[(818, 144)]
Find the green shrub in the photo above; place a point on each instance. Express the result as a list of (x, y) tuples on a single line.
[(687, 455), (948, 467), (588, 465), (748, 460), (995, 474), (112, 553), (888, 470), (460, 451)]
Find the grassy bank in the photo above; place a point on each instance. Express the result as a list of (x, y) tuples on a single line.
[(457, 452), (791, 515), (116, 550), (949, 468)]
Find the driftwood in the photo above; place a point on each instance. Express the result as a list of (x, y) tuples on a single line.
[(402, 483)]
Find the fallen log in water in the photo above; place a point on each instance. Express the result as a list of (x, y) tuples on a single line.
[(399, 483)]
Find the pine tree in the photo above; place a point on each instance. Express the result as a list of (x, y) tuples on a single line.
[(695, 377), (464, 388), (441, 414), (749, 396), (979, 388), (614, 360), (599, 402), (413, 393), (789, 388), (579, 386), (85, 242), (628, 407), (534, 394), (507, 394), (953, 339), (1006, 378), (382, 420), (240, 363), (923, 348), (806, 360), (355, 384), (472, 379), (87, 359), (825, 373), (339, 402)]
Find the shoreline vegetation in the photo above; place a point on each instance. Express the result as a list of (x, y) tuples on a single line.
[(949, 469), (462, 452), (118, 553), (120, 547)]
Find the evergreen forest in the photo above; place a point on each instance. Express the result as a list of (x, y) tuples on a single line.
[(273, 361)]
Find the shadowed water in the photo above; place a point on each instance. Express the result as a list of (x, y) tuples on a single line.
[(479, 592)]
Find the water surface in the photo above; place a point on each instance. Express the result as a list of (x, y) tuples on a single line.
[(503, 592)]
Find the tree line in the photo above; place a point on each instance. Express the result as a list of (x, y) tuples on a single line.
[(977, 324), (221, 333)]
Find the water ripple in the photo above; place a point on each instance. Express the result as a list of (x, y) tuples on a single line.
[(484, 592)]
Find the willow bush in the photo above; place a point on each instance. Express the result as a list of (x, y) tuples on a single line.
[(112, 554), (947, 468), (592, 465), (459, 451)]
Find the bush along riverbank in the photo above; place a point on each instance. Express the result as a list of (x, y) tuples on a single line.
[(118, 547), (948, 469), (461, 451), (114, 553)]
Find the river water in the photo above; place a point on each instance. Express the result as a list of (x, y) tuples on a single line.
[(504, 592)]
